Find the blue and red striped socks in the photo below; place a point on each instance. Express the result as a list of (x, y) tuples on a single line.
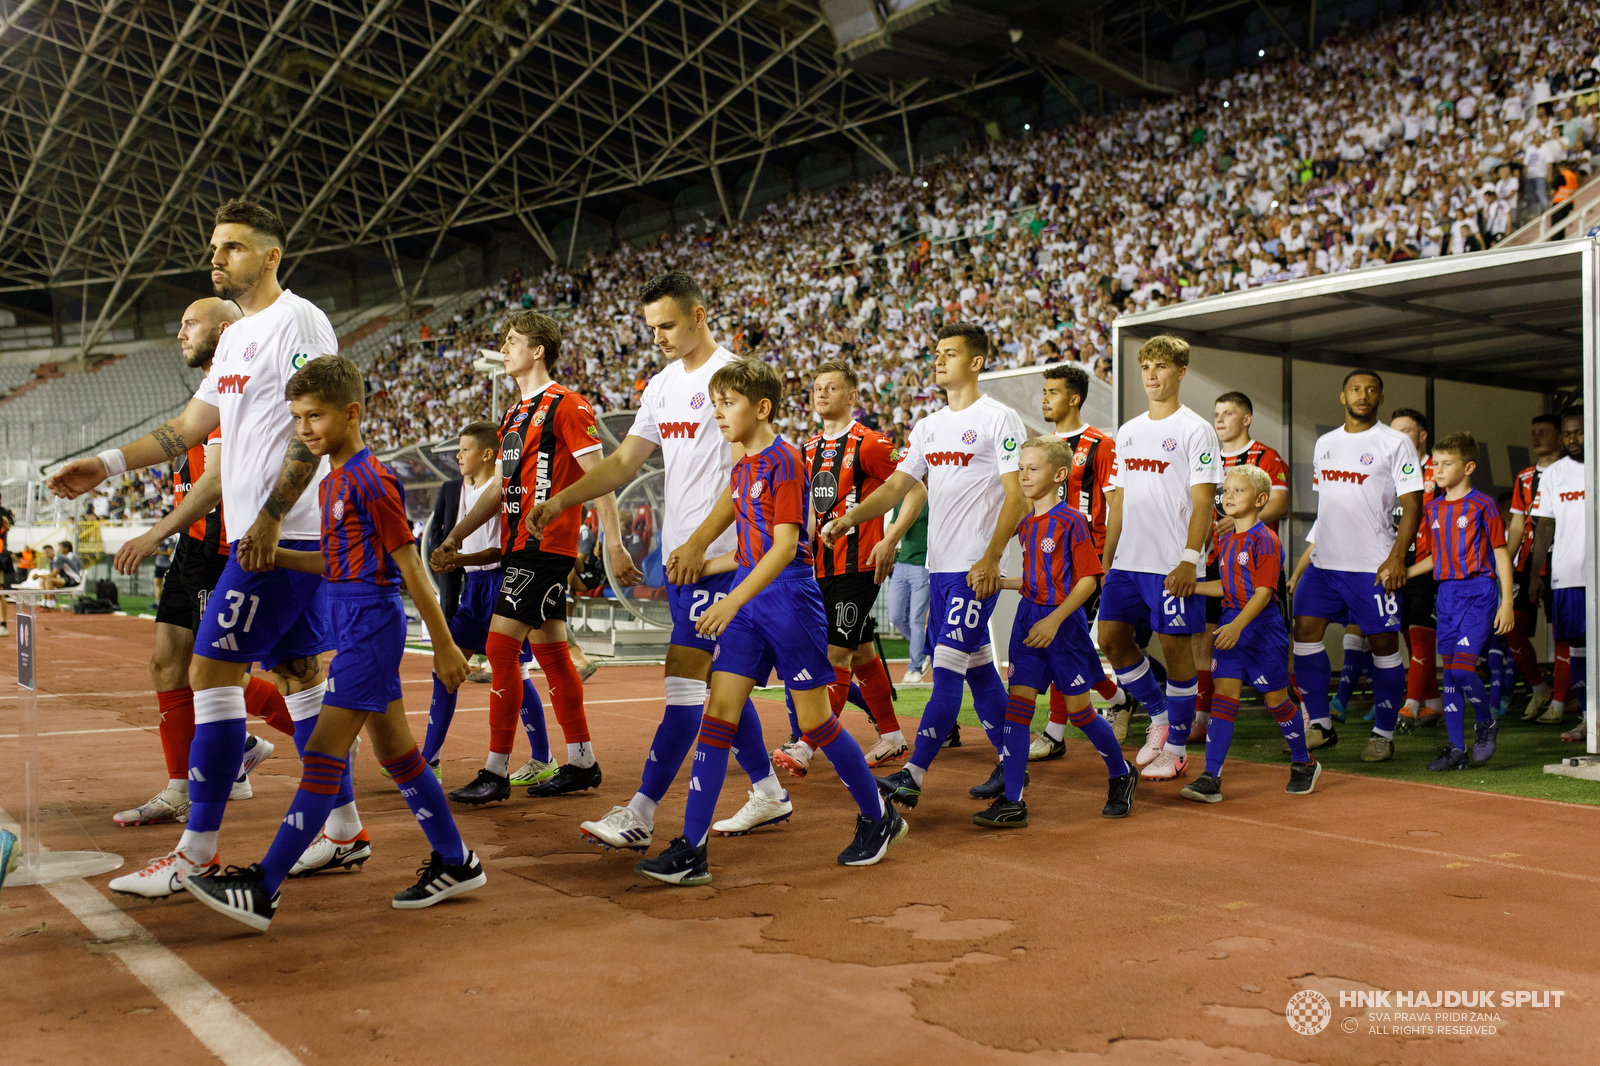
[(1014, 745), (845, 755), (710, 769), (1103, 737), (320, 779), (1287, 715), (425, 797), (1219, 734)]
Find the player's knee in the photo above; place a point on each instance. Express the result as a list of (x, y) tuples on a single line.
[(305, 672), (1384, 644), (948, 658), (1081, 717)]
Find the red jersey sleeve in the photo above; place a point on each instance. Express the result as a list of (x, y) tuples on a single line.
[(787, 483), (1085, 558), (1495, 528), (1274, 466), (1520, 503), (1425, 532), (1105, 462), (878, 457), (389, 513), (575, 424)]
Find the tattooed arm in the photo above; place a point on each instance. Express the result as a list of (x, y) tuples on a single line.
[(167, 441), (256, 547)]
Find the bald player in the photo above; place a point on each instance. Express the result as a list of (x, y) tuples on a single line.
[(197, 563)]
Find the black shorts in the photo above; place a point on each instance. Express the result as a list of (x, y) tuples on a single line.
[(534, 589), (847, 600), (191, 577), (1419, 601)]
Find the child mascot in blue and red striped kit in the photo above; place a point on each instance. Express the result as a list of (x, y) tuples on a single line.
[(1050, 642), (1252, 643), (367, 551), (771, 618), (1467, 556)]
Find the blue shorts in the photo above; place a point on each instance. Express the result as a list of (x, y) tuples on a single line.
[(370, 622), (784, 627), (1261, 658), (1571, 623), (1466, 615), (1347, 598), (1070, 663), (469, 626), (271, 617), (688, 602), (957, 618), (1132, 597)]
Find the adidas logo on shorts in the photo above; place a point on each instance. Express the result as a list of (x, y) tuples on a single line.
[(1260, 681), (1464, 642), (804, 675), (1078, 680), (226, 643)]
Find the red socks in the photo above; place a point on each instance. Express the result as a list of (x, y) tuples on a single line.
[(839, 690), (505, 689), (1202, 703), (1106, 689), (566, 691), (1058, 706), (874, 682), (263, 700), (1422, 678), (177, 729)]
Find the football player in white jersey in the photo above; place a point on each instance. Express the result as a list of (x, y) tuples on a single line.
[(258, 612), (1360, 471), (1563, 515), (1168, 466), (675, 415), (968, 451)]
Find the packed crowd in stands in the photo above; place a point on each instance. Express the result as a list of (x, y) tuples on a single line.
[(139, 495), (1425, 136)]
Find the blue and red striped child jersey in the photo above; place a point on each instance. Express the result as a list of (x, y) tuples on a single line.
[(1249, 559), (770, 489), (1463, 535), (1057, 552), (363, 520)]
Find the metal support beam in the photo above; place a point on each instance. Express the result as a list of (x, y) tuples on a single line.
[(755, 178), (537, 233), (1267, 11)]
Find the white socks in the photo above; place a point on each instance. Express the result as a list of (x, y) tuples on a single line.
[(1056, 730), (581, 755), (644, 806), (199, 847), (343, 824), (498, 763), (768, 787), (307, 703)]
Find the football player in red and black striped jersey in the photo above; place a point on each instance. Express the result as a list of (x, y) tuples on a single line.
[(548, 440), (846, 463)]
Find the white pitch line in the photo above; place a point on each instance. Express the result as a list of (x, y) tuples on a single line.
[(225, 1030)]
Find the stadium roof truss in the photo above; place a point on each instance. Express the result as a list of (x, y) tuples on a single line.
[(1524, 318), (123, 122)]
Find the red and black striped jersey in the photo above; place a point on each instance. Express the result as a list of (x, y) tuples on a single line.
[(1461, 535), (769, 490), (1523, 493), (1253, 454), (541, 437), (1094, 457), (363, 521), (1058, 551), (185, 473), (844, 470)]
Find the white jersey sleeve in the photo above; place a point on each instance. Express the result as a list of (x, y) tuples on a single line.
[(487, 535), (644, 423), (915, 461), (1561, 499), (1009, 435), (1205, 455)]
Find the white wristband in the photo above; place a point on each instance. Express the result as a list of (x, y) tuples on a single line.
[(1191, 556), (114, 461)]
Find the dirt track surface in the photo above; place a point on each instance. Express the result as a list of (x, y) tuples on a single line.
[(1174, 936)]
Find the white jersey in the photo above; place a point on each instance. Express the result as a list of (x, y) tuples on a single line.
[(1157, 463), (964, 453), (1560, 498), (1357, 478), (255, 359), (485, 536), (675, 414)]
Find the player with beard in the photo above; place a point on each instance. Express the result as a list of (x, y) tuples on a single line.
[(258, 612), (197, 563)]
